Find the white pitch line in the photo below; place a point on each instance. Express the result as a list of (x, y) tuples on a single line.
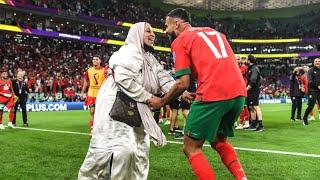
[(55, 131), (176, 142), (263, 150)]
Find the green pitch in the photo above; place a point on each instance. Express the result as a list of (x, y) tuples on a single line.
[(31, 154)]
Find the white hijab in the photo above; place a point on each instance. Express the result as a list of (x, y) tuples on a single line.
[(150, 80), (135, 36)]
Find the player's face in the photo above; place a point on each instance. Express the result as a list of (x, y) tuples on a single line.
[(20, 76), (96, 61), (170, 26), (4, 75), (305, 68), (148, 35), (317, 63)]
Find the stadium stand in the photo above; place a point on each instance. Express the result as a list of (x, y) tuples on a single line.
[(74, 56)]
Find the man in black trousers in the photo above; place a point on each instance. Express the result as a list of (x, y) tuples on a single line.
[(253, 89), (20, 89), (313, 89), (296, 92)]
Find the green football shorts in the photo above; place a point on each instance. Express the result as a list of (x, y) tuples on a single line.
[(207, 119)]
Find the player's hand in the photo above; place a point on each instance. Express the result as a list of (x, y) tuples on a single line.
[(83, 96), (16, 99), (189, 97), (155, 102)]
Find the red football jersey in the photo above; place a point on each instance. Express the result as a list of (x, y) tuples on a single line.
[(304, 82), (206, 54), (244, 70), (5, 88)]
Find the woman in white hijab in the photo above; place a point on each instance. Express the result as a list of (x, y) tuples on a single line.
[(117, 150)]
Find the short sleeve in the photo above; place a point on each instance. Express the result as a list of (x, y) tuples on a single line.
[(181, 58)]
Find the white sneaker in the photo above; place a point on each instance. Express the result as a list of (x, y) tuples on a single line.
[(161, 121), (240, 126), (236, 124), (1, 126), (311, 118), (10, 125), (246, 125)]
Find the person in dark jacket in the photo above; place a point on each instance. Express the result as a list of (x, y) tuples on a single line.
[(21, 90), (296, 92), (253, 89), (313, 89)]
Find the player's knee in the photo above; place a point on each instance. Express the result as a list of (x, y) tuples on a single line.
[(220, 139), (191, 146), (185, 150), (92, 111)]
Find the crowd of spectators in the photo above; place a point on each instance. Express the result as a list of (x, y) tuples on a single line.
[(132, 11), (54, 67), (32, 21)]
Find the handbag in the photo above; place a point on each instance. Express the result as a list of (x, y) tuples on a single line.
[(125, 110)]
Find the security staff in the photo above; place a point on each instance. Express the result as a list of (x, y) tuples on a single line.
[(253, 89), (314, 88)]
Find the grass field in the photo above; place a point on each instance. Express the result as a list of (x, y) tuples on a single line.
[(32, 154)]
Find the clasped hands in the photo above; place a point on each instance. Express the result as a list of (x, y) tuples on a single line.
[(156, 102)]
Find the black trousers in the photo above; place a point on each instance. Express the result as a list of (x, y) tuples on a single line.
[(296, 105), (313, 97), (22, 102)]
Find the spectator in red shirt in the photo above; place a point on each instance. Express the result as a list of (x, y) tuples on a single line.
[(69, 94)]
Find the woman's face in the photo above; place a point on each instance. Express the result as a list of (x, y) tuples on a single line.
[(148, 36)]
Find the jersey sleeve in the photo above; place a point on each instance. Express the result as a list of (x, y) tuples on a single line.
[(181, 58)]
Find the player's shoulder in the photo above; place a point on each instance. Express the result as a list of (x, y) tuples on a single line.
[(88, 69)]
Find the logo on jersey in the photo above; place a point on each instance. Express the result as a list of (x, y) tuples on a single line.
[(6, 87), (96, 78)]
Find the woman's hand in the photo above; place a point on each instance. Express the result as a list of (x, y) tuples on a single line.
[(155, 102)]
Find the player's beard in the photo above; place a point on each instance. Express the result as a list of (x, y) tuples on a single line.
[(172, 36)]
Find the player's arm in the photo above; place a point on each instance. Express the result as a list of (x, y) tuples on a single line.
[(11, 88), (311, 82), (181, 85), (85, 85), (183, 71)]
